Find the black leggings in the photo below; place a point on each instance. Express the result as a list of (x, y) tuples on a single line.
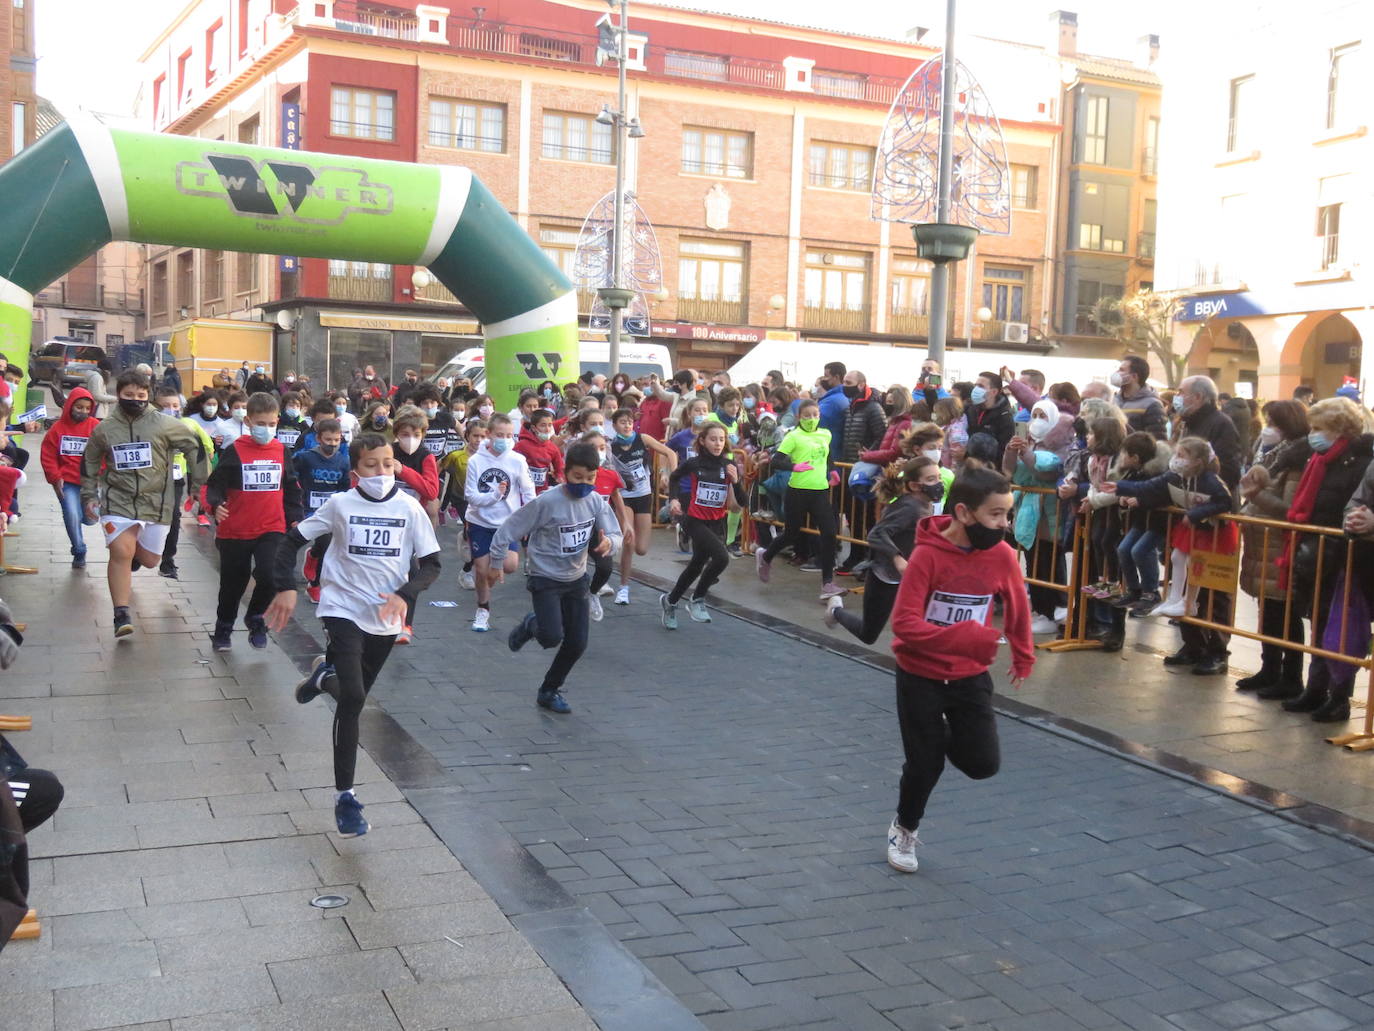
[(37, 793), (878, 598), (237, 561), (942, 719), (169, 549), (816, 504), (357, 658), (602, 565), (709, 557)]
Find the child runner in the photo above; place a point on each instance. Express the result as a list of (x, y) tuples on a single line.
[(236, 425), (497, 484), (60, 454), (632, 454), (559, 524), (255, 497), (168, 401), (382, 555), (347, 419), (455, 471), (944, 643), (609, 484), (322, 471), (418, 475), (907, 493), (805, 453), (291, 427), (126, 482), (683, 443), (710, 476), (541, 451)]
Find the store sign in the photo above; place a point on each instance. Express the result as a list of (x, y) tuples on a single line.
[(350, 320), (1219, 306), (720, 334)]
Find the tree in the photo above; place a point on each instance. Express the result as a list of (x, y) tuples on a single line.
[(1145, 320)]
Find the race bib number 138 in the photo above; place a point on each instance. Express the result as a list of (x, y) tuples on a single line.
[(137, 454)]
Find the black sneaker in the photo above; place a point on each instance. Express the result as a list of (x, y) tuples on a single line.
[(1125, 601), (220, 639), (257, 633), (170, 572), (78, 561), (313, 684), (554, 702), (521, 633), (1183, 657), (1144, 605), (123, 625)]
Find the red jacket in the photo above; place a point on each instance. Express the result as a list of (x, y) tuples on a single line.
[(942, 618), (543, 457), (258, 484), (65, 444), (891, 448), (419, 472), (653, 417)]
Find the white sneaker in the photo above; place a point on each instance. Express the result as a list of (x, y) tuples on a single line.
[(1043, 625), (606, 590), (901, 848), (1061, 614), (831, 607), (696, 608), (594, 603), (482, 621), (622, 596), (1171, 609), (467, 581)]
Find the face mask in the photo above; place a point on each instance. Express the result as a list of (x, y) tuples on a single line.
[(851, 392), (809, 424), (259, 370), (1269, 436), (500, 445), (131, 407), (309, 420), (605, 458), (340, 409), (1115, 380), (1039, 427), (715, 389), (209, 411), (239, 413), (698, 420), (544, 434), (548, 391), (484, 411), (595, 427), (460, 414), (625, 438), (376, 486), (1319, 441), (934, 491), (408, 444), (1178, 402), (982, 537), (262, 434), (430, 413), (379, 421), (293, 413), (978, 395), (1180, 465), (80, 416), (749, 403), (369, 376), (933, 454), (579, 490), (174, 413), (328, 450)]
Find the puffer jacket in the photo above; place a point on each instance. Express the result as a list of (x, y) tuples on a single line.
[(1285, 462), (144, 491), (864, 425), (891, 447)]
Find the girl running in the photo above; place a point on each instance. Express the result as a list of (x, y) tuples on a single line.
[(632, 456), (610, 485), (712, 481)]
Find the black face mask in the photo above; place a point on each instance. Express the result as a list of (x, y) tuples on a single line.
[(934, 491), (982, 537), (852, 392), (328, 450), (132, 408), (80, 416)]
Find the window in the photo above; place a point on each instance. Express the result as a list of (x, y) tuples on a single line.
[(214, 39), (1149, 164), (112, 340), (1329, 233), (711, 67), (159, 98), (711, 281), (1237, 129), (243, 27), (1004, 290), (569, 137), (841, 166), (359, 280), (1095, 130), (362, 114), (212, 276), (836, 290), (1147, 229), (560, 246), (467, 126), (1025, 186), (1089, 237), (248, 131), (245, 272), (1090, 293), (183, 85), (1339, 110), (186, 280), (18, 122), (839, 84), (159, 305), (718, 152), (910, 297)]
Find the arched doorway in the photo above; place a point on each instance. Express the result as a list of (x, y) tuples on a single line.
[(1225, 350), (1320, 352)]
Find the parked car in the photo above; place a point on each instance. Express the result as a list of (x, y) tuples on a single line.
[(71, 358), (636, 359)]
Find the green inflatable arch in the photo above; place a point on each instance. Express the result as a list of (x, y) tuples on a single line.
[(86, 183)]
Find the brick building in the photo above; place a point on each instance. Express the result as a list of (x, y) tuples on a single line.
[(18, 101)]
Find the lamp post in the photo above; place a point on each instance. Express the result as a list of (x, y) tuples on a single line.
[(617, 297)]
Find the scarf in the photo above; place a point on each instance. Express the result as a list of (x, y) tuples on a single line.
[(1305, 501)]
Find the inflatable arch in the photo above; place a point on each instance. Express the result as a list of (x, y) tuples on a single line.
[(86, 183)]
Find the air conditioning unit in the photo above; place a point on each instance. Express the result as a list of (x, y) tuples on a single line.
[(1015, 332)]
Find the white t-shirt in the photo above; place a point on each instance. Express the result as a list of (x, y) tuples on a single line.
[(374, 542)]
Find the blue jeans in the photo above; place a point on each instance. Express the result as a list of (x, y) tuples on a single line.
[(73, 518), (1138, 554), (561, 619)]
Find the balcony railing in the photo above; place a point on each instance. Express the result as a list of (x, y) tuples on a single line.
[(360, 288), (992, 329), (1328, 249), (78, 295), (721, 313), (849, 320), (905, 322), (350, 17), (1145, 247), (1149, 162), (436, 293)]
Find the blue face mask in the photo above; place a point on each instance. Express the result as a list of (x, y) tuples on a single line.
[(1178, 402), (625, 438), (579, 490), (978, 395), (749, 403), (500, 444), (262, 434), (1319, 441)]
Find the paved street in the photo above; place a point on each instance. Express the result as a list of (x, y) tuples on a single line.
[(702, 836)]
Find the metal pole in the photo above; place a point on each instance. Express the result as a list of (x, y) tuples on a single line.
[(939, 275), (618, 236), (968, 294)]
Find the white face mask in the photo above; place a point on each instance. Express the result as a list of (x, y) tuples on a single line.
[(932, 453), (239, 413), (408, 444), (1115, 380), (1269, 436), (376, 486), (210, 411), (293, 413), (1180, 465), (1038, 428)]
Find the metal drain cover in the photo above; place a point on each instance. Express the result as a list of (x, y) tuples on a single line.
[(329, 901)]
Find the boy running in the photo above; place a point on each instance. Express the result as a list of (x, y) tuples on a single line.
[(560, 524), (60, 454), (255, 497), (168, 402), (454, 473), (497, 484), (383, 553), (126, 483), (322, 470), (541, 451), (944, 642)]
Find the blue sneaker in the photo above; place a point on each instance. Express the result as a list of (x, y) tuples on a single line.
[(554, 702), (313, 684), (521, 633), (257, 632), (348, 814), (669, 612)]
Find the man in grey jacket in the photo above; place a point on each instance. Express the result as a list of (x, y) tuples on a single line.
[(97, 384)]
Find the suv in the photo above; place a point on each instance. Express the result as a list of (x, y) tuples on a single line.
[(72, 359)]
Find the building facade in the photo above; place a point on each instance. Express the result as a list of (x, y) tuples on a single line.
[(1266, 203), (18, 100)]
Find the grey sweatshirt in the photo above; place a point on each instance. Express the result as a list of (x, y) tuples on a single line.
[(559, 527)]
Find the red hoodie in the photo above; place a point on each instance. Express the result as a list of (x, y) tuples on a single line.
[(65, 444), (543, 458), (942, 618)]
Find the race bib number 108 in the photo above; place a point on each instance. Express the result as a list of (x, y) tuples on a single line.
[(262, 475)]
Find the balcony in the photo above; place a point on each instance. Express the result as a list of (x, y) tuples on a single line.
[(89, 295), (720, 313), (1149, 162), (1328, 250), (363, 21), (1145, 247), (844, 320), (906, 322), (436, 293), (349, 287)]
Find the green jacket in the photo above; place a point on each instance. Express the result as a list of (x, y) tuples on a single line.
[(127, 469)]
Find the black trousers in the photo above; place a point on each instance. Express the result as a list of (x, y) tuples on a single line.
[(1214, 606), (1285, 663), (815, 503), (709, 557), (602, 565), (939, 720), (562, 620), (38, 793), (237, 561), (169, 550), (357, 658), (878, 599)]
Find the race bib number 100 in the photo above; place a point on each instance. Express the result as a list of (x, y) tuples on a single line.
[(137, 454), (375, 536), (946, 609)]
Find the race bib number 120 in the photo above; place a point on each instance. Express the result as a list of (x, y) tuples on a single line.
[(375, 536), (946, 609)]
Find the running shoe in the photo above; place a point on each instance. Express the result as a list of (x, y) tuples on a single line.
[(832, 606), (313, 593), (1061, 614), (521, 633), (203, 521), (467, 581), (832, 590), (123, 625), (311, 570), (901, 848), (220, 639), (1171, 608), (481, 622), (257, 633), (406, 635), (597, 612), (348, 815), (696, 608), (554, 702), (669, 612), (734, 551), (313, 684), (762, 565), (810, 566), (79, 562), (622, 596), (1041, 624), (606, 590)]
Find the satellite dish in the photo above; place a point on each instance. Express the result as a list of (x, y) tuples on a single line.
[(286, 320)]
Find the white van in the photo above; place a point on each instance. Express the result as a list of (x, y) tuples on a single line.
[(636, 359)]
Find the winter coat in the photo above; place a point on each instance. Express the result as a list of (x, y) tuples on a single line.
[(998, 422), (145, 492), (1285, 462), (864, 426), (891, 447), (1215, 427), (100, 392), (65, 443), (1155, 520), (1144, 412)]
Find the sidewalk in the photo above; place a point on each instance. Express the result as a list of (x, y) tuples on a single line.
[(174, 884)]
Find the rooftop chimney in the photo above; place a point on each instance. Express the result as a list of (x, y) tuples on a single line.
[(1064, 33), (1147, 50)]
